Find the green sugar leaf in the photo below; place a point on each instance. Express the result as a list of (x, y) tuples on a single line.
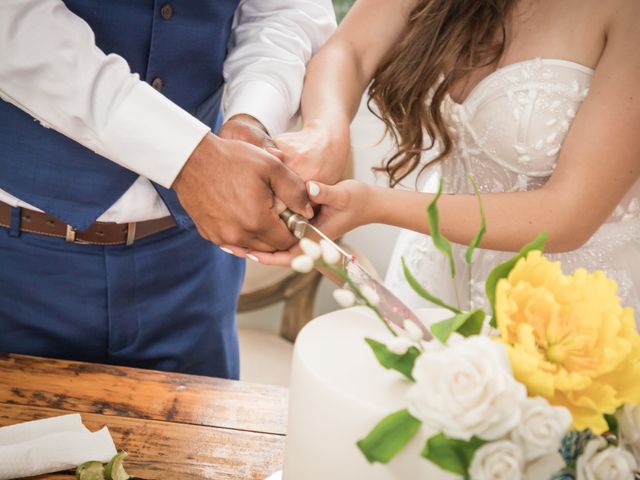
[(473, 325), (389, 436), (440, 242), (502, 270), (423, 292), (465, 323), (450, 454), (468, 257), (392, 361), (612, 422)]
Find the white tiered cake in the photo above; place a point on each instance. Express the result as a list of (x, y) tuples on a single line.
[(339, 392)]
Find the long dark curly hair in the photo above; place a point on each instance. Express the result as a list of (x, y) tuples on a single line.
[(444, 41)]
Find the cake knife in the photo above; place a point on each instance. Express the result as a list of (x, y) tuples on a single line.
[(391, 307)]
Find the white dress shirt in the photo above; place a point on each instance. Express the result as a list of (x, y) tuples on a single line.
[(51, 68)]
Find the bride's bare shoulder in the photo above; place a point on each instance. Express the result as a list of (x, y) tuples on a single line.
[(624, 16), (623, 29)]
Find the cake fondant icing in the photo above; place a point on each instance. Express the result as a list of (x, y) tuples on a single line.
[(339, 392)]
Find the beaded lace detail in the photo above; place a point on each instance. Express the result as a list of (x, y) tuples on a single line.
[(507, 135)]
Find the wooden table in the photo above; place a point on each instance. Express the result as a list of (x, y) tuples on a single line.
[(174, 426)]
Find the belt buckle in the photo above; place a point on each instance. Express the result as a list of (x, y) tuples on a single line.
[(131, 234), (71, 236)]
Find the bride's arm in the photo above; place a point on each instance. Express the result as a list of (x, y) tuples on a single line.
[(335, 81), (599, 162)]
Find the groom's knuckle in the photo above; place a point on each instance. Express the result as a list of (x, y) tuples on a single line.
[(274, 170), (234, 237), (254, 224), (269, 164), (281, 242), (286, 243)]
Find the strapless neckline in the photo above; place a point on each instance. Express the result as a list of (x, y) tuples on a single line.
[(507, 134), (515, 65)]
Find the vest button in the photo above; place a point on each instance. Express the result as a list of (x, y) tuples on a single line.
[(157, 83), (166, 11)]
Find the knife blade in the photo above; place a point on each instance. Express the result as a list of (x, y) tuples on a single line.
[(391, 307)]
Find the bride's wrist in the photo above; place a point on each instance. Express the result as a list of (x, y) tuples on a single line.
[(385, 206), (335, 132), (372, 207)]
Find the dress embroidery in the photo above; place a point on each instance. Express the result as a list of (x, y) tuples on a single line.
[(508, 135)]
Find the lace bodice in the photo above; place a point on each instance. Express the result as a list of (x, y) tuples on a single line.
[(507, 135)]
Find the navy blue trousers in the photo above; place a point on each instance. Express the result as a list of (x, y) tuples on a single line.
[(167, 302)]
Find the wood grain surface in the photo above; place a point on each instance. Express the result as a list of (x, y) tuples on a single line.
[(173, 426)]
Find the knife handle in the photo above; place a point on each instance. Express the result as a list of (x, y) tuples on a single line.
[(296, 224)]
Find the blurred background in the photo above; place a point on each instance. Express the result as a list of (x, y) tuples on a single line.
[(342, 7)]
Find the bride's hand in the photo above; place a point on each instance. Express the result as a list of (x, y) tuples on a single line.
[(343, 207), (316, 152)]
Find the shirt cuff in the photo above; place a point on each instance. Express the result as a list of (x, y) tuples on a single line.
[(151, 135), (263, 102)]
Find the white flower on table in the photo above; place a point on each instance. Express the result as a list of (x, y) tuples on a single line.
[(466, 388), (600, 462), (541, 428), (500, 460), (629, 420), (545, 467)]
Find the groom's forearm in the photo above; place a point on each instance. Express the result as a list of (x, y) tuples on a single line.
[(53, 70), (271, 42)]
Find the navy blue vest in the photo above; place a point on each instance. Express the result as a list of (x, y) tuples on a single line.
[(182, 48)]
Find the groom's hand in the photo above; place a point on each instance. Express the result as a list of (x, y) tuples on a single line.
[(249, 129), (228, 188)]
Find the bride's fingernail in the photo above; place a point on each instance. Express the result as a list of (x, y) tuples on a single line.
[(226, 250), (253, 257), (314, 189)]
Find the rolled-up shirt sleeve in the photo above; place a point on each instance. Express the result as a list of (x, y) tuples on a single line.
[(272, 42), (51, 68)]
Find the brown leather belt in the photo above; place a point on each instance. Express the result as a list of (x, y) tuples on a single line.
[(100, 233)]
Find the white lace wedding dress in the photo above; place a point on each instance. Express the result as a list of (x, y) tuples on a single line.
[(508, 134)]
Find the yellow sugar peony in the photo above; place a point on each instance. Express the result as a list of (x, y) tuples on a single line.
[(569, 340)]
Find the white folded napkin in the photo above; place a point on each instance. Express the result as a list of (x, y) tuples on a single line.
[(275, 476), (51, 445)]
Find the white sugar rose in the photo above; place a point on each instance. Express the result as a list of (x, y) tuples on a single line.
[(545, 467), (599, 462), (466, 388), (541, 428), (500, 460), (629, 420)]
